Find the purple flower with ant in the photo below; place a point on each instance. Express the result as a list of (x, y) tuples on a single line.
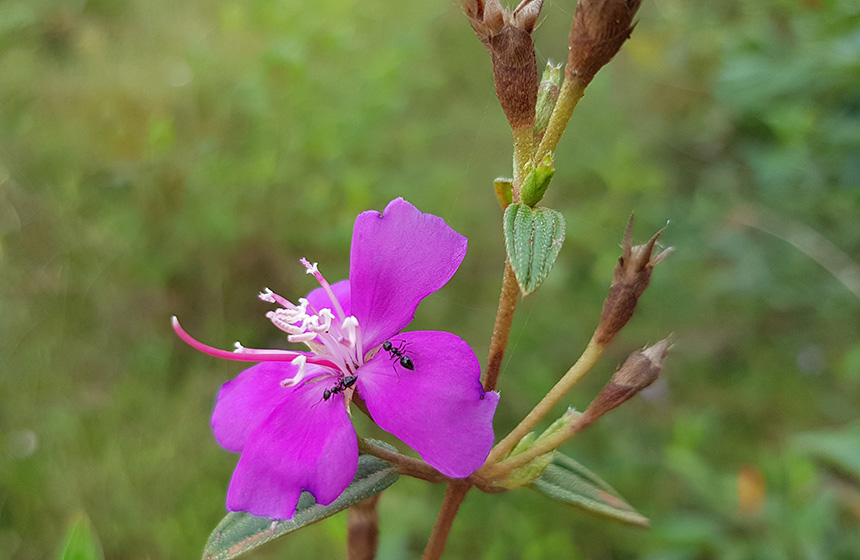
[(289, 415)]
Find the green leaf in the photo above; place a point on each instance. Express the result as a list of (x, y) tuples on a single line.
[(838, 448), (533, 238), (81, 542), (240, 532), (568, 481)]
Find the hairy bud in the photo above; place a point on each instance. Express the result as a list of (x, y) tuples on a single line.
[(547, 97), (641, 369), (631, 276), (507, 36), (599, 29)]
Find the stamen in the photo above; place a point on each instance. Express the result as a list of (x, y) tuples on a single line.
[(314, 269), (314, 324), (311, 268), (303, 337), (267, 295), (284, 319), (248, 354), (299, 361), (271, 297), (353, 336)]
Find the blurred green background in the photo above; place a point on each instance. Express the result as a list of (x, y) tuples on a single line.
[(174, 157)]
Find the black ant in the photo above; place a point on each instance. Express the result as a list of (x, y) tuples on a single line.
[(399, 354), (341, 386)]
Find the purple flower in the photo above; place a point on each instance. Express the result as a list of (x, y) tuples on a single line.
[(289, 415)]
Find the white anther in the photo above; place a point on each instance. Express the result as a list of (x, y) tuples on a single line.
[(303, 337), (314, 324), (349, 327), (312, 269), (284, 319), (299, 361), (238, 348), (267, 295)]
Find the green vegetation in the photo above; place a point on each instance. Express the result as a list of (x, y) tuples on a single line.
[(161, 158)]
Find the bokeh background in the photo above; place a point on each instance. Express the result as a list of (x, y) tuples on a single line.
[(174, 157)]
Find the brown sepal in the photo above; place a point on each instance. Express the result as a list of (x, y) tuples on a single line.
[(641, 369), (599, 29), (631, 276), (507, 36)]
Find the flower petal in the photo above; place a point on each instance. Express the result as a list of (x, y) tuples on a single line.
[(397, 259), (439, 409), (246, 401), (306, 443)]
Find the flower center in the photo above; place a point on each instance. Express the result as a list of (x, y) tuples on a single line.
[(328, 333)]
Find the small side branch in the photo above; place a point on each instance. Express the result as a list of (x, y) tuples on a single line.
[(454, 495)]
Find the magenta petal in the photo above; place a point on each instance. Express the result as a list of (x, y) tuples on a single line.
[(250, 398), (439, 409), (319, 299), (397, 259), (305, 444)]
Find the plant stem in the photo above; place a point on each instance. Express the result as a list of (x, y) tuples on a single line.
[(572, 90), (524, 148), (405, 465), (454, 495), (540, 447), (585, 362), (502, 329), (362, 535)]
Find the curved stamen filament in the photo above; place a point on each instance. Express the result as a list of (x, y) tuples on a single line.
[(243, 354), (314, 269)]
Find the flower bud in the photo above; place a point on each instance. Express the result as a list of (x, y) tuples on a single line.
[(641, 369), (599, 29), (507, 35), (537, 181), (631, 276), (547, 97)]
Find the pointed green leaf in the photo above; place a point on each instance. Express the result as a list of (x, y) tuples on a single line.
[(240, 532), (568, 481), (533, 238), (81, 542)]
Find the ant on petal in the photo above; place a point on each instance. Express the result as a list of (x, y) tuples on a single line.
[(342, 385), (399, 354)]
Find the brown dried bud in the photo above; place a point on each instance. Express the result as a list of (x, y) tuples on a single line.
[(629, 280), (641, 369), (507, 36), (599, 29)]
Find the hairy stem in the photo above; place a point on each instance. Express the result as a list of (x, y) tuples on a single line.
[(362, 535), (540, 447), (454, 495), (502, 329), (582, 366), (524, 147), (572, 90)]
